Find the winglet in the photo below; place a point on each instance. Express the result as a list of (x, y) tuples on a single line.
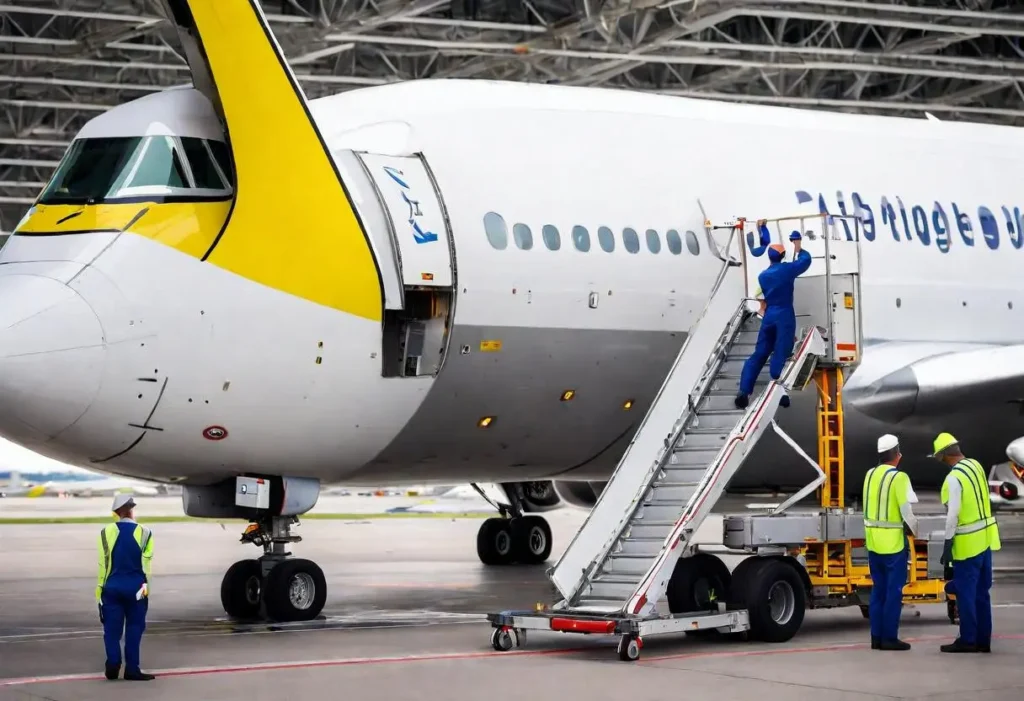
[(292, 225)]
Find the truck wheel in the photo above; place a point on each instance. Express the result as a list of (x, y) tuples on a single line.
[(775, 598), (697, 584)]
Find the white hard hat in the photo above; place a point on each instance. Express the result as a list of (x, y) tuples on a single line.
[(122, 500), (887, 442)]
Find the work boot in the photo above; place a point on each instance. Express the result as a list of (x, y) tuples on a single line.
[(984, 647), (138, 676), (741, 401), (112, 671), (959, 645), (894, 644), (784, 402), (876, 643)]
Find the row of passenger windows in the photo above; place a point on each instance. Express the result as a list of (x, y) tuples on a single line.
[(497, 235)]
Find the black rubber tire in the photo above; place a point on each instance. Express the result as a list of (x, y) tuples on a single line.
[(751, 591), (494, 542), (527, 533), (241, 588), (277, 589), (693, 579)]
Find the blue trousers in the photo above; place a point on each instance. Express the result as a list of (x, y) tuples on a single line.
[(888, 577), (972, 580), (775, 339), (123, 615)]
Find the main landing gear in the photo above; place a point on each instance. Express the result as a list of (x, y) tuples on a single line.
[(274, 586), (512, 537)]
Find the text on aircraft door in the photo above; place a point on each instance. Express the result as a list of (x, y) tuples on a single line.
[(417, 218)]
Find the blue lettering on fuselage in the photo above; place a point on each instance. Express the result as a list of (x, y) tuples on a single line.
[(418, 234), (913, 222)]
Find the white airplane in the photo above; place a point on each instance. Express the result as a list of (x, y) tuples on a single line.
[(468, 281)]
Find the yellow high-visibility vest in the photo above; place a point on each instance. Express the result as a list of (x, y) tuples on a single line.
[(976, 528), (108, 536), (885, 490)]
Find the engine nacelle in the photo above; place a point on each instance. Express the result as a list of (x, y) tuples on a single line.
[(582, 495), (536, 497)]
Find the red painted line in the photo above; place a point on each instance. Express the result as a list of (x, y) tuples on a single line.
[(308, 664)]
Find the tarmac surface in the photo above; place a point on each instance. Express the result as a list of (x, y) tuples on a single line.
[(404, 619)]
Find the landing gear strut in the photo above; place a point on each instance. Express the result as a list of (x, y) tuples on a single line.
[(275, 586), (512, 537)]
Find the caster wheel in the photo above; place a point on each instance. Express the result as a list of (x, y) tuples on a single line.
[(629, 649), (505, 639)]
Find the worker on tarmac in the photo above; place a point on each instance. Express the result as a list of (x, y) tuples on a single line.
[(122, 588), (887, 501), (971, 537), (778, 327)]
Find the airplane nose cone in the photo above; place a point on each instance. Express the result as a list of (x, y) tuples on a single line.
[(51, 357)]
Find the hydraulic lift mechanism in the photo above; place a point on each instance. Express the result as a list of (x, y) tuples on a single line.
[(632, 569)]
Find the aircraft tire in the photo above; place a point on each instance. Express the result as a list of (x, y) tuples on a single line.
[(295, 590), (531, 539), (774, 595), (241, 588), (695, 580), (494, 542)]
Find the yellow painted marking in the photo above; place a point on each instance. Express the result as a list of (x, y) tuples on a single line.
[(292, 227), (490, 346), (189, 227)]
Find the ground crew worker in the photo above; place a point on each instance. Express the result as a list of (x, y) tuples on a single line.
[(887, 503), (778, 327), (122, 588), (971, 536)]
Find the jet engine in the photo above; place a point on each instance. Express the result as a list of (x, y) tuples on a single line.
[(582, 495), (1006, 480)]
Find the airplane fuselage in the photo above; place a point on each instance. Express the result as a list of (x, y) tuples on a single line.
[(172, 368)]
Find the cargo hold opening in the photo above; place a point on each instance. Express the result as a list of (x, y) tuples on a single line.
[(415, 338)]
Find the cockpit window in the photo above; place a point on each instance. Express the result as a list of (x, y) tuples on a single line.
[(159, 166), (151, 168)]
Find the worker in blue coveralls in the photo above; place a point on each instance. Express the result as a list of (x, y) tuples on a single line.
[(122, 588), (778, 327)]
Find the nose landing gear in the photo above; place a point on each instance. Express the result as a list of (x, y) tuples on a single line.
[(274, 586)]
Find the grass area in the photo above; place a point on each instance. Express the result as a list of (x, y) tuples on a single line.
[(189, 519)]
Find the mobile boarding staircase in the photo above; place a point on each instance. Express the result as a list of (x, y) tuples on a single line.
[(691, 443)]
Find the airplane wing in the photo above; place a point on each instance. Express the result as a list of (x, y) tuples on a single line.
[(949, 382)]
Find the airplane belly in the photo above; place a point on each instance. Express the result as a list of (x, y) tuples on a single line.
[(517, 377)]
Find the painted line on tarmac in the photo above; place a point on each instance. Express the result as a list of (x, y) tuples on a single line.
[(308, 664)]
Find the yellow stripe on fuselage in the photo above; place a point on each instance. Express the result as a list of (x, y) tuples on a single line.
[(189, 227), (292, 227)]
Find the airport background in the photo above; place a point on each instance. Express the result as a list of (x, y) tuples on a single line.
[(64, 61)]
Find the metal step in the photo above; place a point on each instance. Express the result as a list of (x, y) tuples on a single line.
[(649, 545), (613, 587), (704, 438), (718, 418), (669, 490), (660, 512), (627, 564), (689, 458), (730, 382)]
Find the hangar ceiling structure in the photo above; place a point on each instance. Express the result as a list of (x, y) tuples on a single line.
[(64, 61)]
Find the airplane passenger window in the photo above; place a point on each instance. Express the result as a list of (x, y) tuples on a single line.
[(523, 236), (497, 232), (581, 238), (630, 240), (201, 161), (552, 239), (691, 243), (653, 241), (674, 243), (606, 238), (160, 166)]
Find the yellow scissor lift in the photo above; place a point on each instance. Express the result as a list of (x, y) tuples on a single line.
[(831, 542)]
